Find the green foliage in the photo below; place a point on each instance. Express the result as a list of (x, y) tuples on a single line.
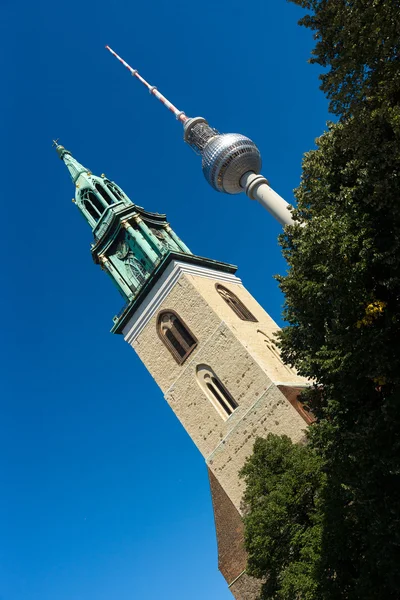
[(358, 43), (283, 522), (346, 259), (342, 303), (342, 300)]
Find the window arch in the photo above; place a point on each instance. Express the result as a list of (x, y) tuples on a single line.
[(92, 204), (104, 194), (177, 337), (215, 390), (114, 189), (273, 348), (235, 304)]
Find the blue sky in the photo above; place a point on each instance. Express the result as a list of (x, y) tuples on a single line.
[(103, 493)]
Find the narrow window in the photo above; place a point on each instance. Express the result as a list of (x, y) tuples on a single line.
[(104, 194), (92, 204), (216, 392), (273, 348), (236, 305), (113, 188), (176, 335), (91, 210)]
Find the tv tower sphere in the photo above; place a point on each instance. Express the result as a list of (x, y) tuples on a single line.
[(226, 157), (231, 162)]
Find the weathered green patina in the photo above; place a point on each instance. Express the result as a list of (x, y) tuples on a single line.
[(133, 246)]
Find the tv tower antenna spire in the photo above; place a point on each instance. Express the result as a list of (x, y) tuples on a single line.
[(231, 162)]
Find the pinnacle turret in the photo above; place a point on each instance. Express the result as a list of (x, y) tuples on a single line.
[(129, 242)]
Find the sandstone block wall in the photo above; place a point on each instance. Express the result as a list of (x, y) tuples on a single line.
[(251, 335), (242, 359), (237, 353)]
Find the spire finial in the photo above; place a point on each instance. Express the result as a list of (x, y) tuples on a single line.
[(61, 151)]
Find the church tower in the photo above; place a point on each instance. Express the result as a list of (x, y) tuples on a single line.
[(205, 340)]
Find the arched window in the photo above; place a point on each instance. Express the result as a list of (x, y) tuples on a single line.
[(215, 390), (91, 210), (236, 305), (176, 335), (273, 348), (114, 189), (92, 204), (104, 194)]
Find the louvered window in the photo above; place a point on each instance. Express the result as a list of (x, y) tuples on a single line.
[(176, 335), (236, 305)]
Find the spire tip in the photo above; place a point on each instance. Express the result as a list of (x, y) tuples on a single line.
[(61, 151)]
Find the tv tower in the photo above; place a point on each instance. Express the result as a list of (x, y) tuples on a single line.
[(231, 162)]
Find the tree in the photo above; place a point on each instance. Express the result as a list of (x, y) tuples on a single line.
[(342, 302), (358, 42), (284, 485)]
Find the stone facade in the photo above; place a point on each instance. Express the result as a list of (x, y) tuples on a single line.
[(244, 358)]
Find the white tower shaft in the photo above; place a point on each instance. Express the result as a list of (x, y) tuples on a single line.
[(257, 188)]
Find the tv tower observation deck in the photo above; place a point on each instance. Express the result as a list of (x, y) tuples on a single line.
[(231, 162)]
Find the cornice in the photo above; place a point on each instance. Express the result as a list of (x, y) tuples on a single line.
[(140, 310)]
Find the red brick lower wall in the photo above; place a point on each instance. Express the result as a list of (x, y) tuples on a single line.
[(229, 528), (232, 556)]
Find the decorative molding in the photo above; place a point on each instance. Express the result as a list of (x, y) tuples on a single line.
[(160, 291)]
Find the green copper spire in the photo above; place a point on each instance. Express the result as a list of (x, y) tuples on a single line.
[(129, 243), (74, 168)]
